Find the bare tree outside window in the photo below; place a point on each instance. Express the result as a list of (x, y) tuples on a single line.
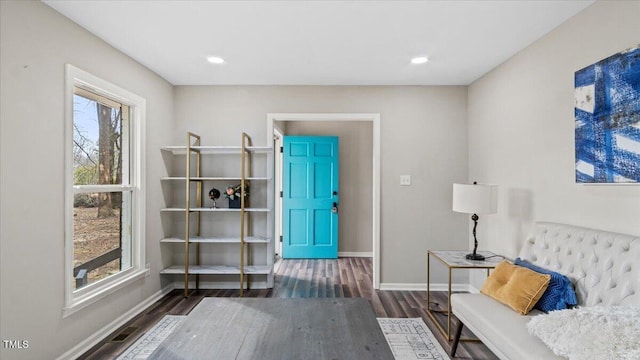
[(109, 155)]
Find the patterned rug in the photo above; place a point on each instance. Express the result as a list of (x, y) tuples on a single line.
[(148, 342), (411, 339)]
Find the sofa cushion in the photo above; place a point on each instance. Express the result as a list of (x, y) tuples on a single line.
[(501, 329), (559, 294), (515, 286)]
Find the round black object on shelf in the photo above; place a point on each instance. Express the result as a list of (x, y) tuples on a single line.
[(214, 194)]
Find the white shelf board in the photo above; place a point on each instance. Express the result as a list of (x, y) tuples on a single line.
[(211, 178), (219, 269), (216, 210), (181, 149), (219, 240)]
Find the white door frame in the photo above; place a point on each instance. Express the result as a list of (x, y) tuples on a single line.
[(375, 119), (278, 135)]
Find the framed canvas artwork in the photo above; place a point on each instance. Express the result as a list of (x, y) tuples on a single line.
[(607, 120)]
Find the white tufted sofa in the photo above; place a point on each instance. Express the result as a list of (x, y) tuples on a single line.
[(604, 268)]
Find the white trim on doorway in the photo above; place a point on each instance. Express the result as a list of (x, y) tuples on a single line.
[(278, 141), (375, 119)]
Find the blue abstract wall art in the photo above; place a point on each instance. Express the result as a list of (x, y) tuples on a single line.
[(607, 120)]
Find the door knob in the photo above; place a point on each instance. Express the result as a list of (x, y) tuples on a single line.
[(334, 209)]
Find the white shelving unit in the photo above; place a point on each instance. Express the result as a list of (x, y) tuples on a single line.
[(220, 240), (195, 240)]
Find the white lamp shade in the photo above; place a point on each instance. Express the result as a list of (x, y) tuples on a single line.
[(475, 198)]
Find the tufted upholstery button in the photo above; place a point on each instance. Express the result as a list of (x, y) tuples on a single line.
[(556, 249), (627, 268), (625, 248)]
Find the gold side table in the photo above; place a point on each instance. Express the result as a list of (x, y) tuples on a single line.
[(455, 259)]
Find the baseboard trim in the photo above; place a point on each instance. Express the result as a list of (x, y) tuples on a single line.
[(423, 287), (101, 334), (354, 254)]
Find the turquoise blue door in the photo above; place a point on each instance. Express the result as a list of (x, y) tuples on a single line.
[(310, 197)]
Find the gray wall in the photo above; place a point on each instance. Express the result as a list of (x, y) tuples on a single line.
[(423, 134), (356, 182), (522, 120), (36, 43)]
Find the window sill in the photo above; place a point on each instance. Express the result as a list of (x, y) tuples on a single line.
[(85, 300)]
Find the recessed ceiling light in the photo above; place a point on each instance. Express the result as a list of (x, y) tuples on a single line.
[(215, 60), (419, 60)]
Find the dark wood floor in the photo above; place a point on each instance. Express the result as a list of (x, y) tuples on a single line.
[(345, 277)]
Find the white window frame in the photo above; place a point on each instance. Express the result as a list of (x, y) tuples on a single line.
[(80, 298)]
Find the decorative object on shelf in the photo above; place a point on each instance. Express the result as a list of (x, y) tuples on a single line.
[(214, 194), (607, 118), (475, 199), (233, 193)]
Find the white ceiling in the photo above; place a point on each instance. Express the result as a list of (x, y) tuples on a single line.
[(319, 42)]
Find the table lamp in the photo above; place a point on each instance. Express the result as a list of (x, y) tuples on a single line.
[(475, 199)]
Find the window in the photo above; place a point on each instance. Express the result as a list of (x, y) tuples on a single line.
[(104, 197)]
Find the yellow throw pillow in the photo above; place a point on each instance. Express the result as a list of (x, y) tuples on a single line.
[(515, 286)]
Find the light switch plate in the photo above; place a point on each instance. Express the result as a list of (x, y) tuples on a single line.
[(405, 180)]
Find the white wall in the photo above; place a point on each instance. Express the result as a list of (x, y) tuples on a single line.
[(521, 132), (356, 182), (36, 43), (423, 135)]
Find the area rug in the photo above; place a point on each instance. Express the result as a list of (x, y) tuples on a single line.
[(148, 342), (276, 329), (411, 339)]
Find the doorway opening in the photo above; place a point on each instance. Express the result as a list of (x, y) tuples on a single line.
[(275, 134)]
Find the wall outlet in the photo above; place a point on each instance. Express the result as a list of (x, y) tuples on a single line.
[(405, 180)]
